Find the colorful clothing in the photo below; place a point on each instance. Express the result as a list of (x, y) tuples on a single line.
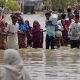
[(3, 26), (63, 24), (50, 34), (37, 37), (23, 28), (50, 28), (75, 31)]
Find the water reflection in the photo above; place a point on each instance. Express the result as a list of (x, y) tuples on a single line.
[(61, 64)]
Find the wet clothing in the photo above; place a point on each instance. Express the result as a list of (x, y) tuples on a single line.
[(3, 36), (50, 28), (64, 29), (37, 37), (75, 35), (75, 31), (74, 43), (50, 42), (50, 34), (12, 38), (22, 37)]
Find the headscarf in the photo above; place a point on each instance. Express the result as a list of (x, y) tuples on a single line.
[(12, 57), (14, 66), (36, 27)]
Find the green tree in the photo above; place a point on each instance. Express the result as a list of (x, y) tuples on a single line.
[(2, 2), (61, 3), (13, 5)]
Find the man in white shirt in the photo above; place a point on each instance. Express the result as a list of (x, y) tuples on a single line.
[(12, 38)]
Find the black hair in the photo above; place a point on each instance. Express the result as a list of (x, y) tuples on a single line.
[(76, 16), (60, 10), (76, 12), (63, 16), (69, 10), (14, 17), (49, 14), (27, 22)]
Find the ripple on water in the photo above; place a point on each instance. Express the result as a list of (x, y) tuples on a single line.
[(58, 64)]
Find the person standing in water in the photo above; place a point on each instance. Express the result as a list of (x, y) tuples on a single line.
[(12, 34), (50, 32), (75, 32), (37, 35)]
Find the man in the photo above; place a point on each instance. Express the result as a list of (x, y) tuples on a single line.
[(50, 32), (12, 38)]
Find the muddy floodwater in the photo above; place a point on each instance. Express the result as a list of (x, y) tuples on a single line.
[(62, 64), (58, 64)]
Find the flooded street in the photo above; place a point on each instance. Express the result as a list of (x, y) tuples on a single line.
[(57, 64), (62, 64)]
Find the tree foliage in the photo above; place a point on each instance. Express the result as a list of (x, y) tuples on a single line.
[(13, 5), (2, 2), (61, 3)]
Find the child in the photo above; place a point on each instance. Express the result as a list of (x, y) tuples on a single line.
[(37, 35), (75, 30)]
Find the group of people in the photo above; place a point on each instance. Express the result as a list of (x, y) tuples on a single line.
[(19, 34), (61, 30)]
